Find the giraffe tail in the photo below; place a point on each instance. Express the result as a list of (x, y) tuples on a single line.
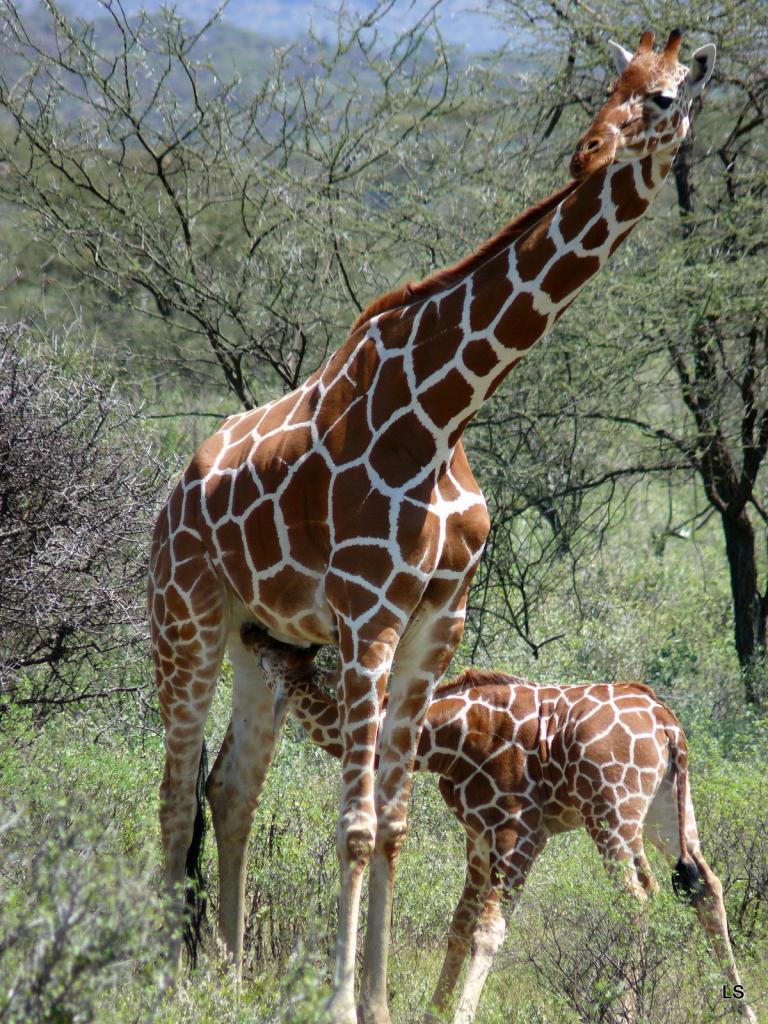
[(687, 880), (195, 895)]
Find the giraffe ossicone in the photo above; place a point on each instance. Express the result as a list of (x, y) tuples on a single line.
[(346, 513), (517, 763)]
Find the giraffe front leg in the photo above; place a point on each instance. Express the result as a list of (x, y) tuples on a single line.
[(514, 848), (364, 666), (235, 785), (465, 917), (422, 656)]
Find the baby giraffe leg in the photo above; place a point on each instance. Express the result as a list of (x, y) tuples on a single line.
[(465, 919), (486, 942), (710, 911), (620, 843), (698, 883), (512, 855)]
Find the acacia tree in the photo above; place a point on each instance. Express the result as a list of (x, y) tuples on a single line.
[(251, 224)]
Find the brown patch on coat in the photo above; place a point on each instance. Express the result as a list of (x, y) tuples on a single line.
[(441, 401), (491, 288), (479, 357), (403, 450), (438, 337), (575, 215), (597, 235), (356, 501), (374, 560), (628, 204), (521, 325), (349, 437), (569, 274), (261, 535), (534, 252), (392, 391)]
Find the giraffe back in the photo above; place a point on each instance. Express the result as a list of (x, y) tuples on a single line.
[(568, 749)]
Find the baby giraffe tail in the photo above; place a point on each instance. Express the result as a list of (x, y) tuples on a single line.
[(687, 880)]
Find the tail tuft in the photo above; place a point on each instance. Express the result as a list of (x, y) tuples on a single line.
[(687, 882), (195, 894)]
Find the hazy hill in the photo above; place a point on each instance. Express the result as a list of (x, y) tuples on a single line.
[(461, 22)]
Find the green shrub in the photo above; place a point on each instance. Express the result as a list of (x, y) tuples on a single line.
[(78, 920)]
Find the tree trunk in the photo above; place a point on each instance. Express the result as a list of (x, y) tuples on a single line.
[(749, 613)]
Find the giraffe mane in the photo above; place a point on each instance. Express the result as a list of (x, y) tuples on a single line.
[(474, 678), (416, 291)]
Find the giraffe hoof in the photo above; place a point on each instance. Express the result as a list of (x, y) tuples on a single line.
[(373, 1015), (340, 1010)]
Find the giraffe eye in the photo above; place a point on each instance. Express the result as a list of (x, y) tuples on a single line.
[(661, 100)]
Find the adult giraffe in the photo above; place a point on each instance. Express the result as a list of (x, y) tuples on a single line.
[(346, 513)]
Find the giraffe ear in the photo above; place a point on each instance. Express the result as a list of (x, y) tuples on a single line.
[(279, 710), (702, 63), (621, 57)]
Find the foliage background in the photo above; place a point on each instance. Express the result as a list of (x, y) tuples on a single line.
[(190, 222)]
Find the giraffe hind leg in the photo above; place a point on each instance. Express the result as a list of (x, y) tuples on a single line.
[(695, 881), (181, 815), (188, 632), (710, 911), (195, 895), (620, 843)]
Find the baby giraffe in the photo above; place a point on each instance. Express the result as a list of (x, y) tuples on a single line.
[(517, 763)]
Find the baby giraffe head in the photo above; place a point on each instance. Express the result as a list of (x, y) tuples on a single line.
[(283, 667), (648, 107)]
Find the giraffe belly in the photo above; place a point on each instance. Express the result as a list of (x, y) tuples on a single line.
[(295, 614), (307, 626)]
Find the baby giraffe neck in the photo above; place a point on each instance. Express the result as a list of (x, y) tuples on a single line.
[(315, 711), (318, 714)]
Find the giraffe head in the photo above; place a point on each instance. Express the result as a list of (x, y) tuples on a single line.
[(648, 106), (281, 665)]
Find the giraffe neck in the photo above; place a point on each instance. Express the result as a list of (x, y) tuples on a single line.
[(318, 714), (458, 342)]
